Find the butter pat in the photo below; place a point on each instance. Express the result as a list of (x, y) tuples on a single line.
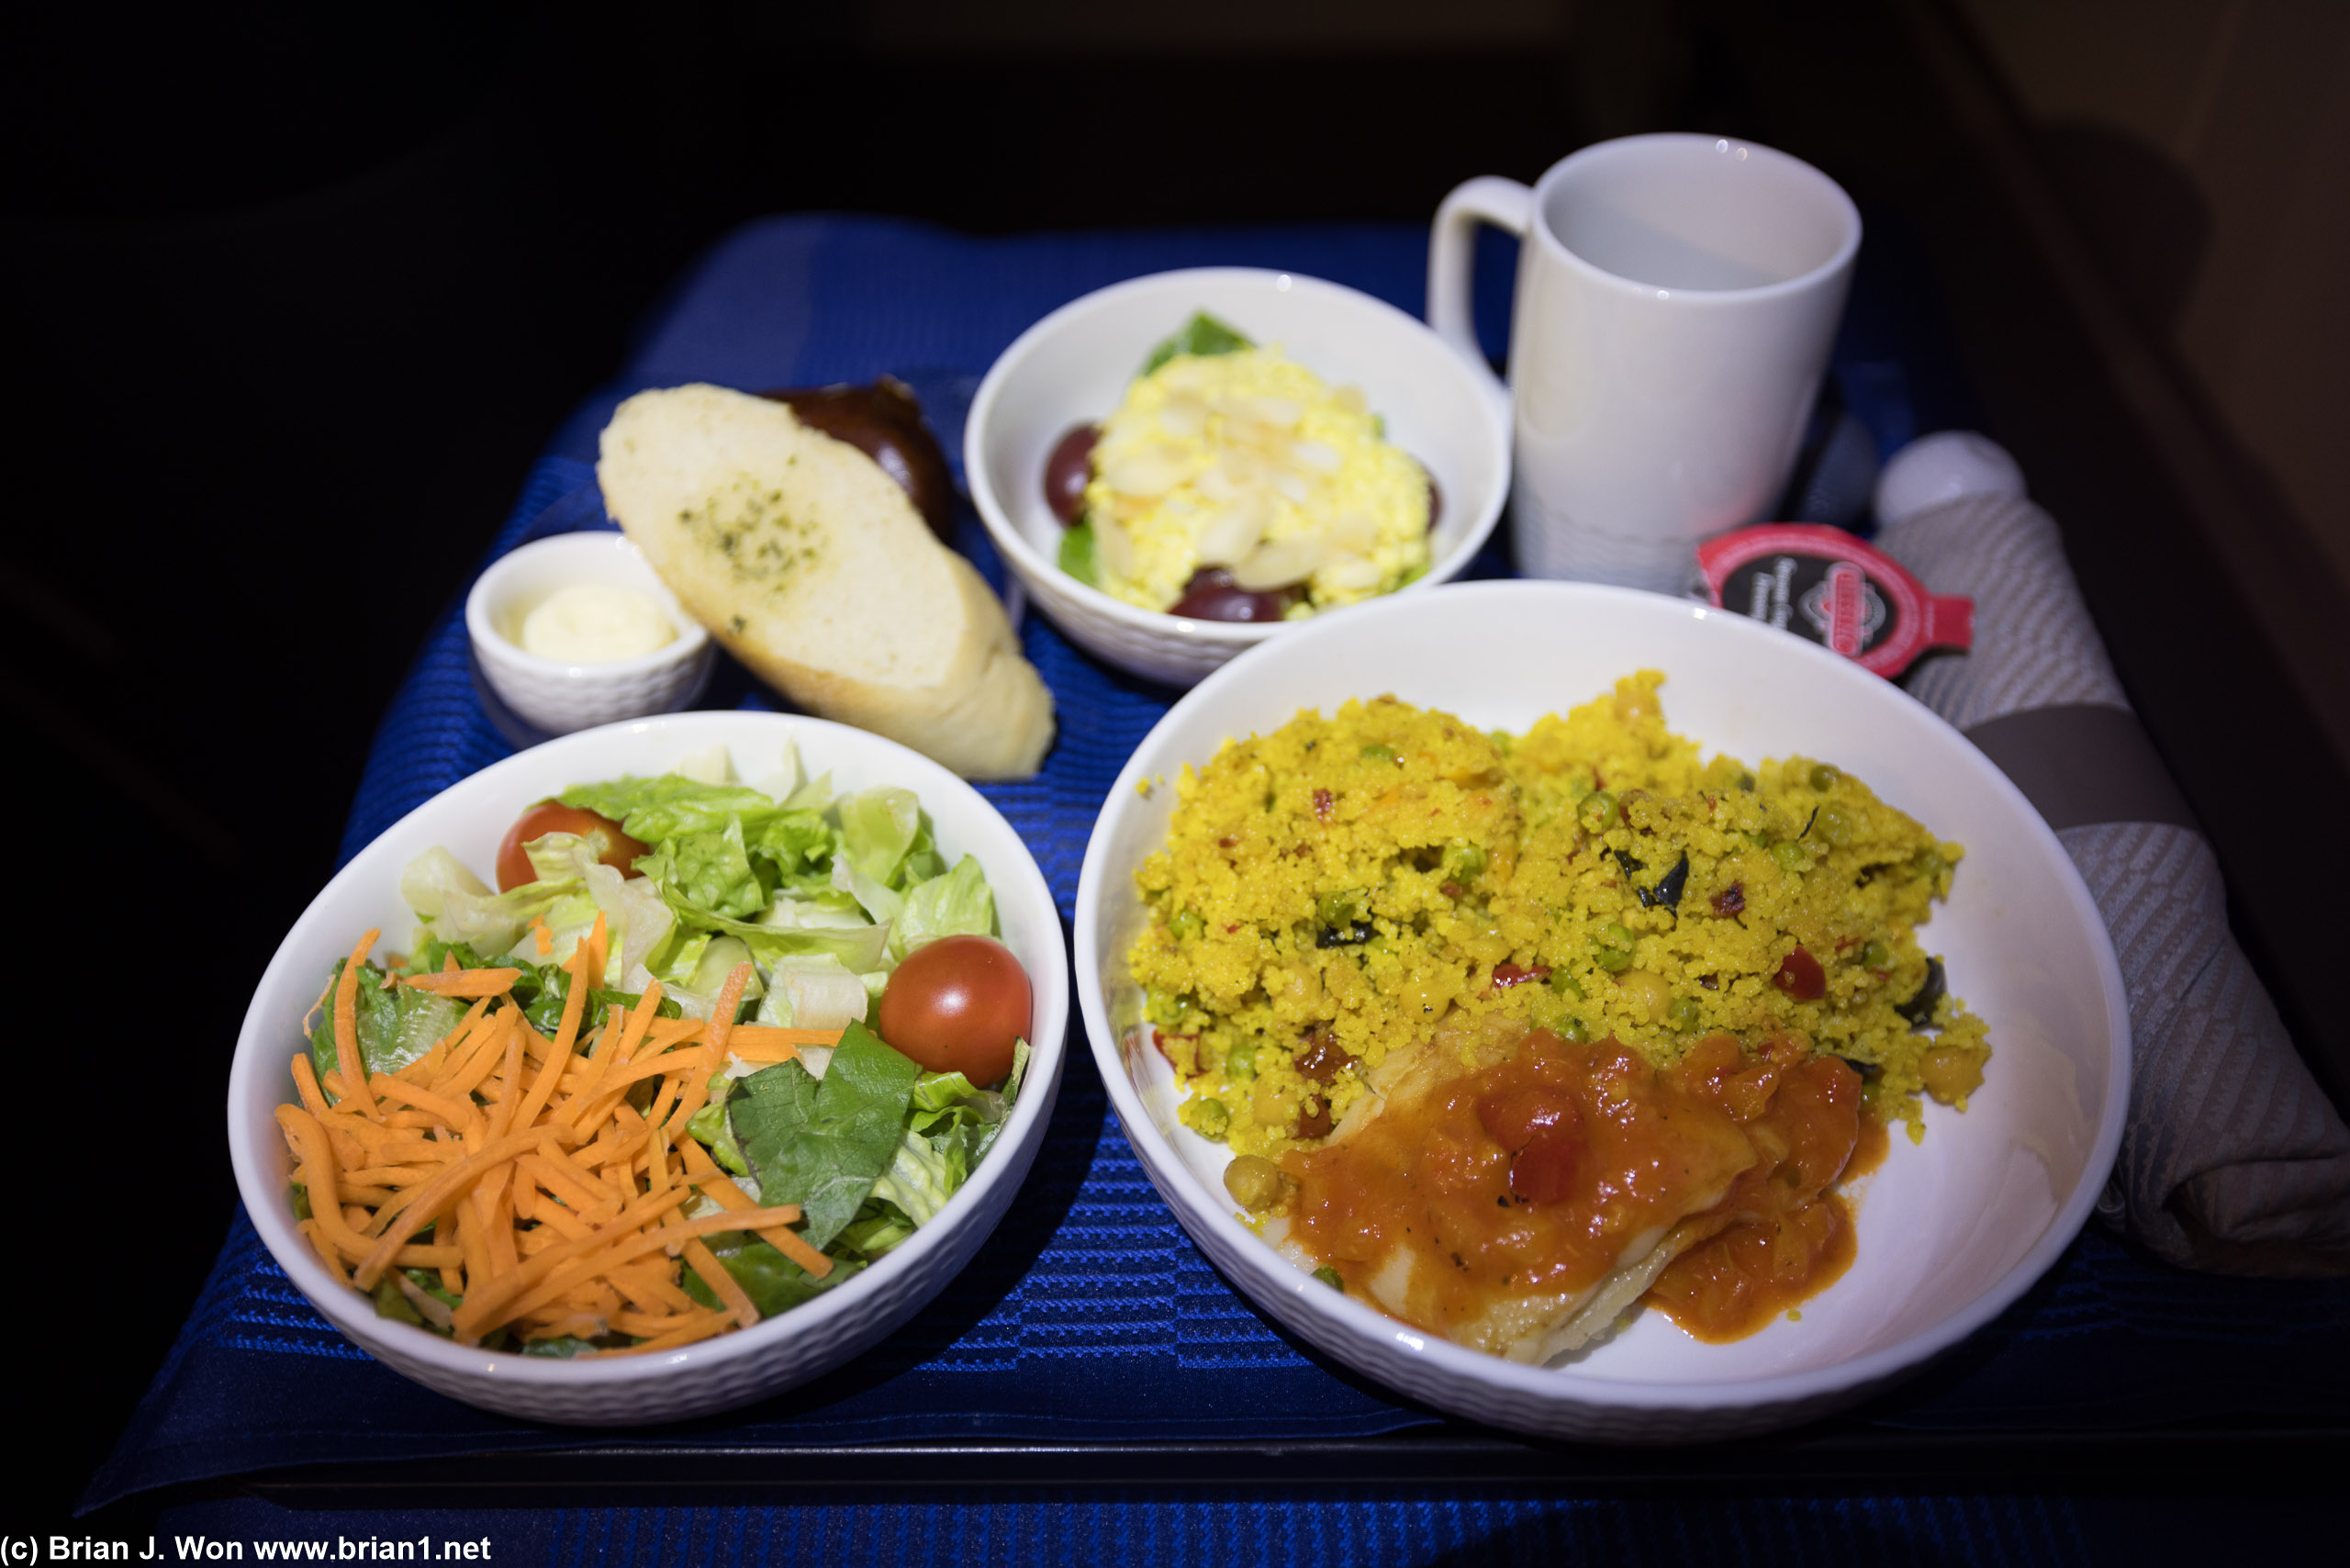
[(591, 623)]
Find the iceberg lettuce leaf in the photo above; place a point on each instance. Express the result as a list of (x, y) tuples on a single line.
[(877, 827), (959, 904), (672, 806)]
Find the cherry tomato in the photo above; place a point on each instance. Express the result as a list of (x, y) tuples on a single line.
[(613, 847), (1544, 1171), (1801, 977), (1514, 1117), (1068, 470), (957, 1006)]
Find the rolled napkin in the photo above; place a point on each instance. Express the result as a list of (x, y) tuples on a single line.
[(2233, 1160)]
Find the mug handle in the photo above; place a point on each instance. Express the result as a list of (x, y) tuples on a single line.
[(1453, 238)]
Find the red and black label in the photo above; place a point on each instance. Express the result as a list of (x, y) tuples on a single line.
[(1823, 584)]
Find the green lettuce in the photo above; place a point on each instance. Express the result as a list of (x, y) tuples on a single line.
[(395, 1026), (877, 1227), (959, 904), (822, 1143), (713, 870), (1077, 556), (949, 1129), (773, 1281), (492, 923), (716, 1131), (671, 806), (877, 827), (543, 991), (1202, 334)]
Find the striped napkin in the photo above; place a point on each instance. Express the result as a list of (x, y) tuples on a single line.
[(2234, 1158)]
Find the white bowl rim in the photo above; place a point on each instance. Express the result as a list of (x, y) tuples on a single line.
[(259, 1052), (1267, 1273), (1221, 634), (689, 642)]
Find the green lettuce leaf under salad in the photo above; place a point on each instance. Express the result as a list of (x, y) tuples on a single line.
[(1202, 334), (823, 895)]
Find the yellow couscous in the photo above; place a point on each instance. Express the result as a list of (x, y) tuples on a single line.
[(1332, 891)]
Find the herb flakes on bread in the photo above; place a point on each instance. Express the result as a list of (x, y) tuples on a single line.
[(812, 566)]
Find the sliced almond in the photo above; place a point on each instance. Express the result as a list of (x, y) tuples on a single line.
[(1261, 408), (1233, 534), (1315, 456), (1114, 546), (1183, 417), (1293, 486), (1351, 574), (1146, 471), (1279, 564)]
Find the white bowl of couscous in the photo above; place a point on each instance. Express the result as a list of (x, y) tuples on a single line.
[(1949, 1230)]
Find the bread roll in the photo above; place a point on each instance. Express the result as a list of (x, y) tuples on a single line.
[(813, 568)]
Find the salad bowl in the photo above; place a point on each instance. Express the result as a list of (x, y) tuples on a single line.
[(1951, 1230), (732, 1369), (1072, 367)]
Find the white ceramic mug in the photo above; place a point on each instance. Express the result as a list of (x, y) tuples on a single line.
[(1677, 297)]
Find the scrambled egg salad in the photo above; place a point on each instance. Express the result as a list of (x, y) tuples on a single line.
[(1225, 454)]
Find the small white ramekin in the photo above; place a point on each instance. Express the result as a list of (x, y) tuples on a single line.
[(558, 697)]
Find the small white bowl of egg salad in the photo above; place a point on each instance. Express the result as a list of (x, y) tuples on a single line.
[(576, 630), (1182, 465)]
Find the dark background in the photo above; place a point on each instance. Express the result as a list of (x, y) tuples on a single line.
[(295, 297)]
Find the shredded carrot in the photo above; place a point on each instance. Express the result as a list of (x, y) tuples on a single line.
[(306, 1085), (716, 1322), (727, 1195), (650, 1325), (667, 1031), (325, 1249), (599, 951), (730, 1001), (471, 1062), (749, 1037), (465, 983), (516, 1166), (453, 1183), (729, 1293), (450, 1113), (348, 1059), (545, 938), (621, 1251)]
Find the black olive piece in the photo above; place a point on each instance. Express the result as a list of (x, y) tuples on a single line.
[(1666, 894), (1330, 935), (1631, 863), (1919, 1008), (1869, 1070)]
